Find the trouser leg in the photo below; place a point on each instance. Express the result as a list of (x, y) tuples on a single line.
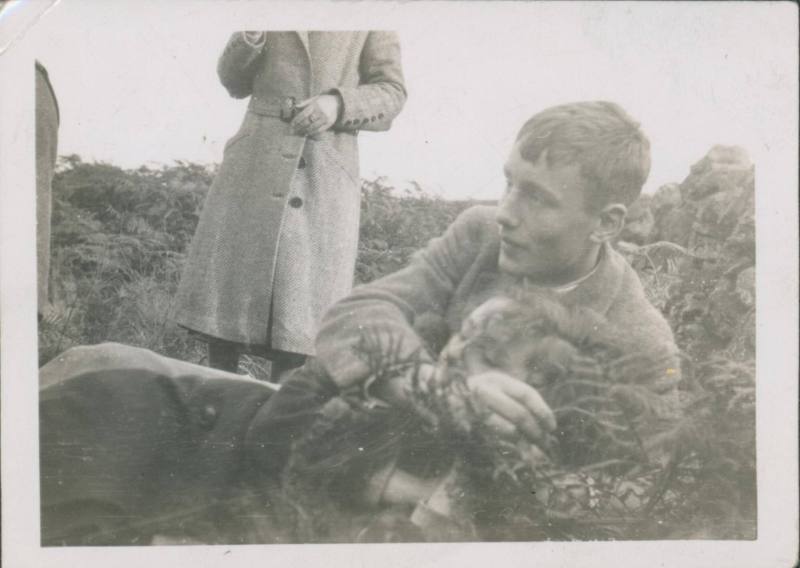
[(223, 355), (282, 363)]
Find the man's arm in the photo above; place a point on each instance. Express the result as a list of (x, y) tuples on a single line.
[(654, 363), (387, 308)]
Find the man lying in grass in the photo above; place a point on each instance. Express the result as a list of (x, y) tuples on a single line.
[(571, 174)]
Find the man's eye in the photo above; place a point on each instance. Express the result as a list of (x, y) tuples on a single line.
[(534, 196), (537, 197)]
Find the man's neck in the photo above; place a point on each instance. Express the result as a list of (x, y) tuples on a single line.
[(575, 277)]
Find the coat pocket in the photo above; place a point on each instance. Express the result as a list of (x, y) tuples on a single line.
[(243, 133), (346, 161)]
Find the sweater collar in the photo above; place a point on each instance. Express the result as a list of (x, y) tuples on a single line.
[(598, 289)]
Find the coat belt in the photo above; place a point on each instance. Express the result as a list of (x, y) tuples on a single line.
[(278, 107)]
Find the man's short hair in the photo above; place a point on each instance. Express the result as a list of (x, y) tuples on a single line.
[(612, 151)]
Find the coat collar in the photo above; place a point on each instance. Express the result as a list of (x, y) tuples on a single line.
[(303, 35)]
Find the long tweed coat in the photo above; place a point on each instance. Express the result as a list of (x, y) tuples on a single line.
[(277, 238)]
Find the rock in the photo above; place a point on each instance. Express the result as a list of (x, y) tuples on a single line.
[(711, 305), (724, 157), (724, 168), (667, 197), (714, 202), (675, 225), (639, 223)]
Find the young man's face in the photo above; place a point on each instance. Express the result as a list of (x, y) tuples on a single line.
[(544, 226)]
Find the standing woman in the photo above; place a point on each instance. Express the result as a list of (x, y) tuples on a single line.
[(277, 239)]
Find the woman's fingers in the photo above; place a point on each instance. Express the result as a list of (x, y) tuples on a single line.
[(311, 121), (303, 122), (319, 125), (316, 115)]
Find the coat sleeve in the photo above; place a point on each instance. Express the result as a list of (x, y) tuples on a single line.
[(238, 63), (381, 92), (385, 310)]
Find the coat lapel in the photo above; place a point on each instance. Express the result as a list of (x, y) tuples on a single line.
[(303, 35)]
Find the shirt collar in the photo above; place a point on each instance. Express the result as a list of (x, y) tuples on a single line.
[(597, 289)]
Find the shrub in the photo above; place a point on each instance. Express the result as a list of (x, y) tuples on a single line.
[(119, 241)]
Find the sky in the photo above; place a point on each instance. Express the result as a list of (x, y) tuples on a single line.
[(137, 84)]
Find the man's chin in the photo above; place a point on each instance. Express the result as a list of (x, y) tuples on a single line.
[(507, 265)]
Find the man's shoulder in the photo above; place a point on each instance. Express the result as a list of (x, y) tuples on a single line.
[(642, 332), (483, 215), (472, 237), (633, 312), (479, 221)]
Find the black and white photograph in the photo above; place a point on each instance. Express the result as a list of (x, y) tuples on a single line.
[(413, 283)]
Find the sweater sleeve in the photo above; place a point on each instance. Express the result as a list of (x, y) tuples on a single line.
[(384, 311), (654, 362)]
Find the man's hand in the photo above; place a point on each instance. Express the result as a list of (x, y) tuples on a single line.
[(516, 406), (317, 114), (395, 391)]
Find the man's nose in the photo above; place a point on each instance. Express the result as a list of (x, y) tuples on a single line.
[(506, 216)]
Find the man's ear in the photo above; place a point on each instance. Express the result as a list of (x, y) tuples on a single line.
[(612, 220)]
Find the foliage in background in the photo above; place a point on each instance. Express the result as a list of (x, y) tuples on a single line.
[(120, 239), (394, 226), (118, 243)]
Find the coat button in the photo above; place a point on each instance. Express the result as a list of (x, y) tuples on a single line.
[(380, 115), (209, 416), (296, 202)]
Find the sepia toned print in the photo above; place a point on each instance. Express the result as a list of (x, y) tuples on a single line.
[(319, 335), (560, 413)]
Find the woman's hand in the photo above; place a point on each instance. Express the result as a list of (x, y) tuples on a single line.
[(516, 406), (317, 114)]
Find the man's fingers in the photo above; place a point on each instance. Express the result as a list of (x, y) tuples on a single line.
[(501, 425), (305, 102), (530, 398), (509, 409)]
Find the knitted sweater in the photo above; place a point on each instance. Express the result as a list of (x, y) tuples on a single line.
[(456, 273)]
